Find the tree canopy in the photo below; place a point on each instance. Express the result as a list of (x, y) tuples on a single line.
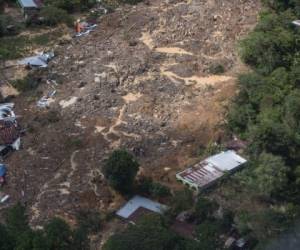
[(120, 170)]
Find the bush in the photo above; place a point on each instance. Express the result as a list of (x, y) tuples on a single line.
[(89, 220), (53, 16), (26, 84), (146, 186), (159, 191), (181, 201), (130, 1)]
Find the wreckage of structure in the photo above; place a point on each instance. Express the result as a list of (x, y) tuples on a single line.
[(9, 130), (208, 171), (38, 61)]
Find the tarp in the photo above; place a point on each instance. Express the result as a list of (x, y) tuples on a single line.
[(3, 170)]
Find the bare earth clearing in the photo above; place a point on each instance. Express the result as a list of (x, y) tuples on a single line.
[(140, 82)]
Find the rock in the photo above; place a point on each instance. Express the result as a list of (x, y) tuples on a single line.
[(81, 84)]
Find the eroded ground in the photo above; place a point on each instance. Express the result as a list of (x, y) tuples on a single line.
[(141, 81)]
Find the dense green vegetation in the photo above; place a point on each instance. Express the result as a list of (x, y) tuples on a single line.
[(266, 110), (17, 235), (153, 231), (120, 170), (266, 113)]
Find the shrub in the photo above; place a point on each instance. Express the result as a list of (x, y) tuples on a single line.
[(216, 69), (26, 84)]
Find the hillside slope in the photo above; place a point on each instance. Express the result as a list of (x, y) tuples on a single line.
[(142, 81)]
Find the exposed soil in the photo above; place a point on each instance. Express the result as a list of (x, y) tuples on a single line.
[(141, 81)]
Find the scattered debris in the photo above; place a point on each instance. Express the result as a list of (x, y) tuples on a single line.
[(9, 130), (236, 144), (3, 170), (205, 173), (45, 101), (4, 197), (84, 28), (38, 61)]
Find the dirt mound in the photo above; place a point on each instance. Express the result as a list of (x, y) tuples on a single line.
[(141, 81)]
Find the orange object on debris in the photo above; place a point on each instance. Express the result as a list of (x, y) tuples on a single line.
[(77, 26)]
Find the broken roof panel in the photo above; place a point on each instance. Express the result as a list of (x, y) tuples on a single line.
[(140, 202), (40, 61), (226, 161), (37, 61)]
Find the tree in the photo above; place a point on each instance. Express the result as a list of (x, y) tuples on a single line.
[(58, 234), (270, 174), (54, 16), (120, 171), (6, 242), (150, 233), (80, 239), (16, 220), (208, 235), (89, 220)]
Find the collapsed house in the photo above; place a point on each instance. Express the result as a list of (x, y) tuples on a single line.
[(208, 171), (9, 129), (139, 206), (30, 8)]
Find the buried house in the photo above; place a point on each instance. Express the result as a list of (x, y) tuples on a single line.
[(139, 206), (208, 171)]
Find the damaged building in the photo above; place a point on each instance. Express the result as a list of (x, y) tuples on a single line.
[(208, 171)]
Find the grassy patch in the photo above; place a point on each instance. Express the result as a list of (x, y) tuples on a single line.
[(26, 84), (13, 47)]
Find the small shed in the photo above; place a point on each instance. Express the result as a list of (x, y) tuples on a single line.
[(30, 8)]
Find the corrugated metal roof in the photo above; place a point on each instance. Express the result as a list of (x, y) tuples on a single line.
[(226, 161), (28, 3), (136, 202), (211, 169)]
